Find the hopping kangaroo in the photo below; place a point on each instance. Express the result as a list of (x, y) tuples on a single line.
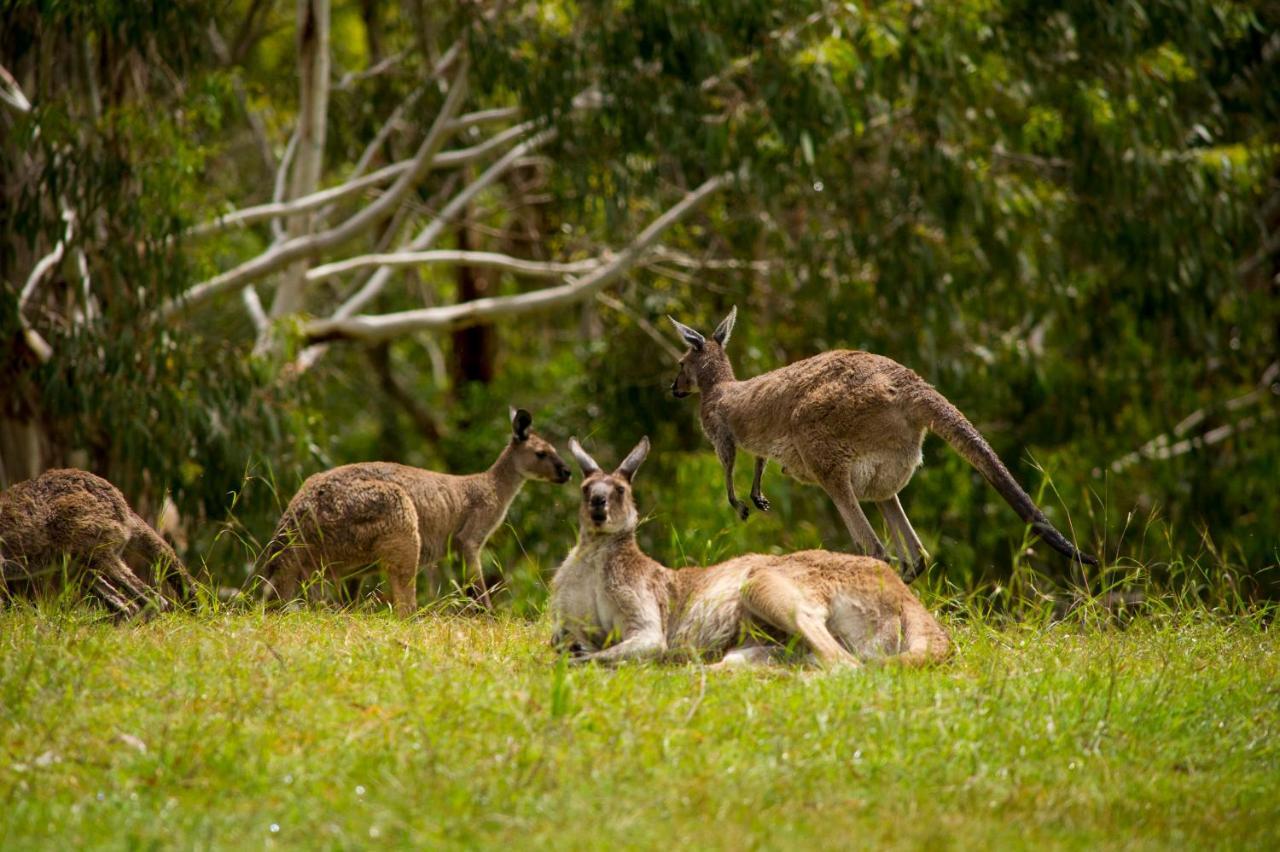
[(378, 512), (611, 602), (851, 422), (80, 516)]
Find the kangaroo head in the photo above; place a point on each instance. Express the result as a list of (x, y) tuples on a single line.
[(705, 363), (608, 505), (534, 457)]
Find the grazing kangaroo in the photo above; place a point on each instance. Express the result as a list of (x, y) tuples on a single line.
[(355, 515), (851, 422), (76, 515), (612, 602)]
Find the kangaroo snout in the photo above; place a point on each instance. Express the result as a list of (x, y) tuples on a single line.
[(676, 392), (562, 474), (599, 509)]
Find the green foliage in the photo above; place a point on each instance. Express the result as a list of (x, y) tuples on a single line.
[(1044, 210)]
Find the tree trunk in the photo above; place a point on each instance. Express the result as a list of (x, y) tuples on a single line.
[(308, 161), (473, 347)]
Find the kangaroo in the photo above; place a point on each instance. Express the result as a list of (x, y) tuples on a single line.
[(73, 514), (355, 515), (610, 602), (851, 422)]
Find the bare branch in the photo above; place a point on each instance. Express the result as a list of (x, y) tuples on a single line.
[(374, 328), (334, 194), (282, 175), (1164, 447), (436, 227), (385, 131), (294, 249), (485, 259), (647, 327), (256, 312), (313, 112), (350, 78), (688, 261), (484, 116), (1268, 247), (11, 93), (38, 344)]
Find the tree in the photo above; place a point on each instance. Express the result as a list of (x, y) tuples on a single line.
[(1041, 209)]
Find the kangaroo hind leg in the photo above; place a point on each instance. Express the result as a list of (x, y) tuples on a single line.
[(911, 553), (840, 490), (780, 602)]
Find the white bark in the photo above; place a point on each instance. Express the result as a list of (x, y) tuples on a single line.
[(484, 259), (354, 185), (282, 181), (279, 256), (11, 93), (383, 327), (308, 161), (42, 267), (436, 227)]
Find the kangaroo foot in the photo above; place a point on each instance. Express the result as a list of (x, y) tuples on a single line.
[(909, 572)]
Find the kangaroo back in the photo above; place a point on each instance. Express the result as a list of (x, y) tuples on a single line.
[(945, 420)]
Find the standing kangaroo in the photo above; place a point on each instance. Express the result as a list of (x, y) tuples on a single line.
[(75, 514), (613, 603), (851, 422), (358, 514)]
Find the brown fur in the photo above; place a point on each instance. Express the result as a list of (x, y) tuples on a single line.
[(612, 602), (402, 517), (851, 422), (81, 517)]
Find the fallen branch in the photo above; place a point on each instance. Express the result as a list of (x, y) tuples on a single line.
[(383, 327)]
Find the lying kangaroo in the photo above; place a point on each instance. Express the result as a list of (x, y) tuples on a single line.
[(355, 515), (851, 422), (612, 602), (76, 515)]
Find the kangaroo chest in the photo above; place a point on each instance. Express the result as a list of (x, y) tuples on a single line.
[(580, 601)]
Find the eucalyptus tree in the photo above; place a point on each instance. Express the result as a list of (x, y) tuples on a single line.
[(1066, 215)]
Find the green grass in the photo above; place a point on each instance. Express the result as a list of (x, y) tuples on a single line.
[(343, 730)]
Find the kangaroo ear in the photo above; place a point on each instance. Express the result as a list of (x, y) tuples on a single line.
[(725, 328), (634, 459), (691, 337), (521, 420), (585, 461)]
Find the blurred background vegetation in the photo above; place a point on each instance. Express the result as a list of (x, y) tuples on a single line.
[(1064, 215)]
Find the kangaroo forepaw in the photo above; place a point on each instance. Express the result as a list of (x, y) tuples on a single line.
[(741, 508), (761, 501)]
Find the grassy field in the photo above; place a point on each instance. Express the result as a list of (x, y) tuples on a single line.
[(342, 730)]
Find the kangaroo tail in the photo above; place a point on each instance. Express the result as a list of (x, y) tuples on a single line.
[(946, 421)]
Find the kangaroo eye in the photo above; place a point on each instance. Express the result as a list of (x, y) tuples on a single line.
[(542, 454), (619, 490)]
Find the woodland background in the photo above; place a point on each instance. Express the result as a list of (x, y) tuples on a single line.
[(1065, 215)]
